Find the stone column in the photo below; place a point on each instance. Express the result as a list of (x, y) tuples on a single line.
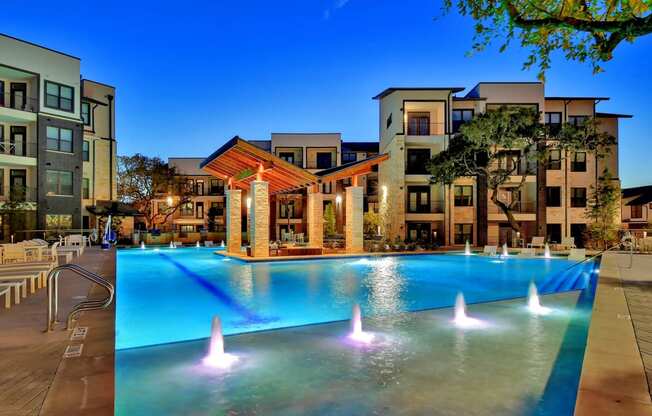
[(315, 218), (354, 220), (233, 220), (259, 217)]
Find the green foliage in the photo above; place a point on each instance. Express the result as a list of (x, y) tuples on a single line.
[(371, 222), (329, 220), (584, 31), (495, 144), (142, 180), (603, 211)]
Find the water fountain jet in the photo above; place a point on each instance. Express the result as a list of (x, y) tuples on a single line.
[(533, 303), (222, 244), (546, 251), (467, 248), (357, 334), (216, 356), (197, 245), (142, 245), (172, 244), (505, 250), (461, 319)]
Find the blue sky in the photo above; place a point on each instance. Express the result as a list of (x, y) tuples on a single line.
[(192, 74)]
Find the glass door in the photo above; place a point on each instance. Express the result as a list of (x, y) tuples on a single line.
[(18, 184), (18, 140), (18, 96)]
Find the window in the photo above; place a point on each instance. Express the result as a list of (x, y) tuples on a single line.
[(327, 187), (59, 96), (554, 159), (578, 163), (419, 124), (418, 199), (324, 160), (463, 233), (2, 182), (217, 187), (463, 195), (417, 160), (186, 209), (577, 121), (86, 151), (348, 157), (460, 117), (59, 139), (58, 182), (58, 222), (389, 121), (287, 156), (553, 233), (287, 209), (553, 121), (86, 189), (218, 208), (637, 211), (419, 232), (190, 186), (199, 210), (199, 187), (86, 222), (86, 113), (372, 186), (578, 197), (187, 228), (553, 196), (162, 207)]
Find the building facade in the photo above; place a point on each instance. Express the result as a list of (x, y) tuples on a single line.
[(417, 123), (636, 207), (57, 140)]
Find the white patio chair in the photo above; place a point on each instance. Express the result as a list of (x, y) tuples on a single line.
[(208, 243), (567, 243), (6, 291), (537, 242), (490, 250), (20, 289), (14, 253)]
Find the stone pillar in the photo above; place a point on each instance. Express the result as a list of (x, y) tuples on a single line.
[(315, 218), (354, 220), (259, 217), (233, 221)]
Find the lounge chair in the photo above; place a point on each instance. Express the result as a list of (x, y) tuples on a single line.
[(13, 253), (6, 291), (537, 242), (527, 252), (20, 289), (490, 250), (37, 272), (17, 276), (578, 254), (567, 243), (208, 243)]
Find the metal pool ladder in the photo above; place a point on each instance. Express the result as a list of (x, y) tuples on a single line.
[(87, 305)]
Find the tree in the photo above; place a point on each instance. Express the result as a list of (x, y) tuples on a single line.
[(585, 30), (14, 213), (603, 211), (329, 220), (213, 213), (371, 223), (504, 145), (143, 180)]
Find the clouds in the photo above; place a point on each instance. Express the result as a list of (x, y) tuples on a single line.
[(337, 4)]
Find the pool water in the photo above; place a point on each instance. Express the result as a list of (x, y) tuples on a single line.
[(170, 295)]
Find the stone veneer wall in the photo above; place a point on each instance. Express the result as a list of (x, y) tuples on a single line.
[(259, 217), (315, 213), (233, 220), (354, 219)]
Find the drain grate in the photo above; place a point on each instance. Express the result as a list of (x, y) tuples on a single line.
[(79, 333), (73, 351)]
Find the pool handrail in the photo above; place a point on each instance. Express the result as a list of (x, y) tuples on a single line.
[(87, 305)]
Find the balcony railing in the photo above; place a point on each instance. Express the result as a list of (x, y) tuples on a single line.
[(435, 207), (424, 129), (18, 194), (521, 207), (18, 149), (18, 102)]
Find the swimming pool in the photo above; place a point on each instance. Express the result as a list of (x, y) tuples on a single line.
[(170, 295)]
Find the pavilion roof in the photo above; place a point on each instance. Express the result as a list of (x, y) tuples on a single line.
[(241, 162)]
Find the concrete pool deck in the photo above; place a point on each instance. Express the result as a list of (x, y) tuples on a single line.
[(614, 380)]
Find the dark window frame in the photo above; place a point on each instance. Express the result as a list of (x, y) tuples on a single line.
[(553, 127), (59, 97), (86, 188), (418, 128), (577, 120), (346, 157), (638, 213), (58, 139), (578, 198), (415, 167), (458, 123), (86, 151), (58, 185), (419, 191), (463, 200), (86, 121), (553, 198), (461, 236), (554, 164), (578, 166)]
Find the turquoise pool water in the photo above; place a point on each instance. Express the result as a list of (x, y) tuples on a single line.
[(169, 295)]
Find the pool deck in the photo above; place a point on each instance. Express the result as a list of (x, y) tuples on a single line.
[(619, 347), (35, 379)]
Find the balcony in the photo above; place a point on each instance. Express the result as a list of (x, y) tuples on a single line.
[(18, 153), (19, 198), (435, 207), (17, 108), (520, 207), (425, 128)]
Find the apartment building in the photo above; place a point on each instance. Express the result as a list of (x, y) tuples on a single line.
[(316, 152), (57, 139), (417, 123), (636, 207)]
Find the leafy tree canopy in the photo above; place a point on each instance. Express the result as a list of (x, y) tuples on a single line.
[(584, 30)]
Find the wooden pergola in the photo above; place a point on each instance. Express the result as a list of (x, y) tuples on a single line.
[(352, 170), (239, 163)]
